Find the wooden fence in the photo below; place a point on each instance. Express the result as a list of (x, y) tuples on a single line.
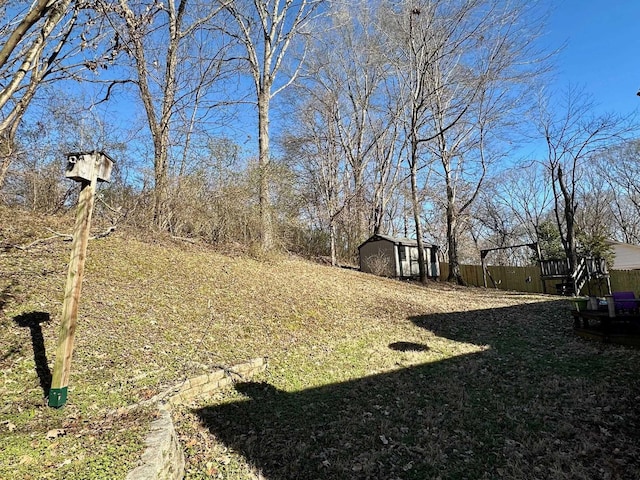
[(527, 279), (625, 281), (520, 279)]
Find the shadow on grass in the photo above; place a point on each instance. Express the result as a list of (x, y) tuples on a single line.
[(534, 324), (408, 347), (502, 412), (367, 428), (33, 321)]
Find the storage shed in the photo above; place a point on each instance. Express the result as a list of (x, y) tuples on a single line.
[(389, 256)]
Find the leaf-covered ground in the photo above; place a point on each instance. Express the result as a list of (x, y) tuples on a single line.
[(482, 387), (368, 377)]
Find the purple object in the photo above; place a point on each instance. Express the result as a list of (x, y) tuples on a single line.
[(624, 300)]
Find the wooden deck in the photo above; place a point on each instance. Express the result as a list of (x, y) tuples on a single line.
[(598, 325), (572, 282)]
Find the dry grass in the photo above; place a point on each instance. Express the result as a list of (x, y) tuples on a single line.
[(368, 377)]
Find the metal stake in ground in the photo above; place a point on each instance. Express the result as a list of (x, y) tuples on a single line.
[(88, 169)]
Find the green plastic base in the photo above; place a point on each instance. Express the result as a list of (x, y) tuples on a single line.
[(57, 397)]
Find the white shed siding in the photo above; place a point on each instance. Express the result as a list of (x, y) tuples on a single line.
[(411, 266), (409, 261)]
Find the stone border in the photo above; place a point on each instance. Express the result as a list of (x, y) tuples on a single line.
[(222, 377), (163, 459)]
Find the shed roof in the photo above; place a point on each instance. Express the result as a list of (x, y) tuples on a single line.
[(409, 242)]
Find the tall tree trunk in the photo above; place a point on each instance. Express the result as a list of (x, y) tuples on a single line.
[(160, 193), (377, 219), (7, 151), (572, 254), (416, 211), (332, 241), (455, 275), (569, 219), (264, 164), (266, 29), (159, 121)]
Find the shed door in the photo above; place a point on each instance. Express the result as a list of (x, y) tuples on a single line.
[(408, 257), (414, 264), (402, 259)]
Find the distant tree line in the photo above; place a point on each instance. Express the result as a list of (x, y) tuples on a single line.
[(310, 125)]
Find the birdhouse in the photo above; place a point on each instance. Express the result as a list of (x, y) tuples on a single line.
[(83, 166)]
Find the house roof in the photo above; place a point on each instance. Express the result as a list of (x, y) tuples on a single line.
[(626, 256), (409, 242)]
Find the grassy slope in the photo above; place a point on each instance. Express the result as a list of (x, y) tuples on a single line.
[(155, 312)]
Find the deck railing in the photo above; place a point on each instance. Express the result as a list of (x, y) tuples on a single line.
[(596, 266), (560, 267), (555, 267)]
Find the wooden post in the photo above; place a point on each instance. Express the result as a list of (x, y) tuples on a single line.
[(483, 255), (62, 366), (611, 306), (536, 246)]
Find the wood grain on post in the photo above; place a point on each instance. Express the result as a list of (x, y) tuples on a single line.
[(62, 366)]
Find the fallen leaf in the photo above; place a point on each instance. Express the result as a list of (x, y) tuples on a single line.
[(55, 433), (212, 471)]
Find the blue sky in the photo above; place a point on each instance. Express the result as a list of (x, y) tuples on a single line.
[(602, 52)]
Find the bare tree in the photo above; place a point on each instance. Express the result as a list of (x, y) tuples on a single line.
[(458, 64), (30, 53), (620, 166), (595, 223), (365, 119), (416, 48), (58, 123), (164, 40), (494, 224), (387, 160), (524, 196), (574, 133), (365, 128), (267, 30), (314, 144), (341, 103), (425, 34), (475, 101)]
